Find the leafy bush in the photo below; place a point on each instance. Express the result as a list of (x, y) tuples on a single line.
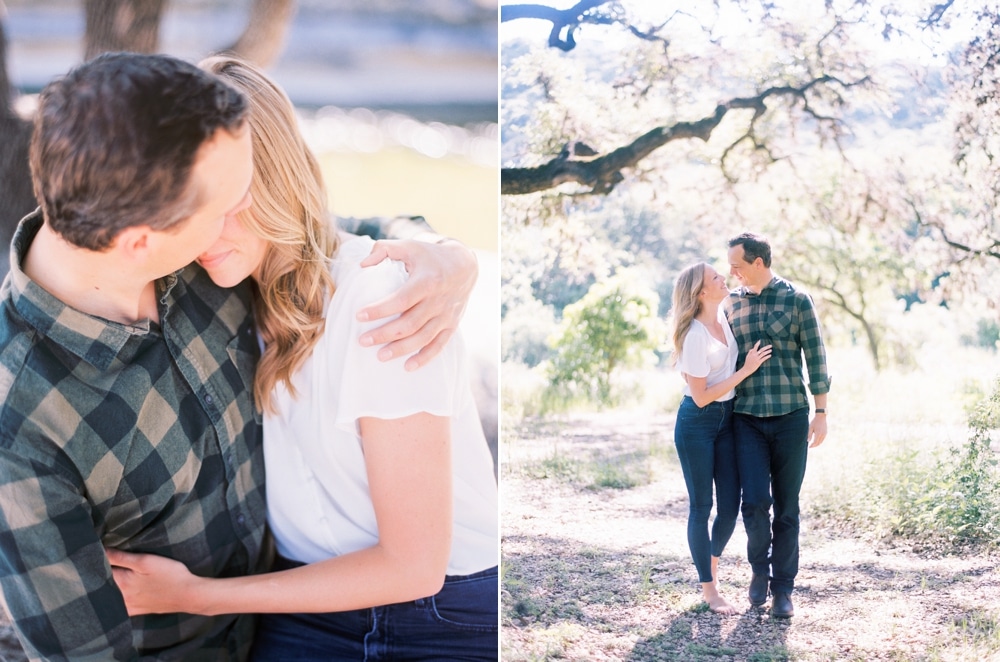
[(954, 499), (613, 326)]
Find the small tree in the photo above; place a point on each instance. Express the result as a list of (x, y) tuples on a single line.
[(613, 326)]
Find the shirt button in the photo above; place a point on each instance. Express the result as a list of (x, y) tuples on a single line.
[(241, 519), (208, 399)]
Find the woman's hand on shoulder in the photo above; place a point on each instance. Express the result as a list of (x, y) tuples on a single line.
[(431, 302)]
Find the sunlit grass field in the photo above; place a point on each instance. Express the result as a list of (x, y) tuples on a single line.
[(457, 197), (884, 427)]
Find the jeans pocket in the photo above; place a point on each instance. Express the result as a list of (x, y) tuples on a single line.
[(689, 411), (469, 603)]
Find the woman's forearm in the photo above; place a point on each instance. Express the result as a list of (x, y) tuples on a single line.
[(704, 395), (408, 461), (362, 579)]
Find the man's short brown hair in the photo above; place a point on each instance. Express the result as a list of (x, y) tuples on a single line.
[(115, 141), (754, 246)]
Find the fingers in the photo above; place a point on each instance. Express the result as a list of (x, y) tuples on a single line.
[(413, 329), (429, 304), (430, 339), (429, 352), (424, 324), (396, 303), (122, 559), (380, 251), (427, 281), (817, 433)]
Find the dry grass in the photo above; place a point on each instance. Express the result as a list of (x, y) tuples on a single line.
[(595, 573)]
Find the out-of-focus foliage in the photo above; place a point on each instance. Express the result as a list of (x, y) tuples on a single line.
[(873, 172), (613, 326)]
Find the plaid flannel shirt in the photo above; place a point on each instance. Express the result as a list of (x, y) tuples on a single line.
[(142, 437), (784, 318)]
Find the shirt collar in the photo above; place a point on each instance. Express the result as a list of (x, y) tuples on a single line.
[(95, 340), (747, 292)]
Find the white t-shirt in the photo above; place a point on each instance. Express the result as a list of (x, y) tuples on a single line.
[(317, 486), (704, 356)]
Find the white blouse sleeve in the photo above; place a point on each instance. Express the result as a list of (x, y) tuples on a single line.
[(694, 356), (366, 386)]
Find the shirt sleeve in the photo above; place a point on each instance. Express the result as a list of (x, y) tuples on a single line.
[(368, 386), (811, 341), (385, 227), (694, 356), (57, 585)]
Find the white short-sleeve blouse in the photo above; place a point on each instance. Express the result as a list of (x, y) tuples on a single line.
[(317, 486), (704, 356)]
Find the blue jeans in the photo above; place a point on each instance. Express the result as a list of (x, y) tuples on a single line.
[(460, 622), (704, 440), (771, 453)]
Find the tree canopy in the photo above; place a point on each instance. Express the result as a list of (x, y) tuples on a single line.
[(860, 136)]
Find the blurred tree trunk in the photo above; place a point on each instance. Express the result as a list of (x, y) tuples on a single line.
[(134, 25), (122, 25), (16, 196), (264, 37)]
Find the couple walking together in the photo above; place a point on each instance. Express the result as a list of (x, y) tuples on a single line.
[(747, 429)]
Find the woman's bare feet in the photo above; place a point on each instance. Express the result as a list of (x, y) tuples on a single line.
[(710, 593), (717, 603)]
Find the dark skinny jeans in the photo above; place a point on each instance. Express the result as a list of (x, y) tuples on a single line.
[(705, 447)]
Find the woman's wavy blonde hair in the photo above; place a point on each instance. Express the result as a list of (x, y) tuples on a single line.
[(686, 304), (289, 212)]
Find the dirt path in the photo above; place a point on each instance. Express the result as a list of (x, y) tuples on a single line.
[(604, 574)]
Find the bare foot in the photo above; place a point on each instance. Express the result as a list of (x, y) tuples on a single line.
[(719, 605)]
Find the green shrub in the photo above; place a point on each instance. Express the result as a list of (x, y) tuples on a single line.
[(613, 326), (956, 497)]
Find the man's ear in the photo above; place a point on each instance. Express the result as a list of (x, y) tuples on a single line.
[(134, 243)]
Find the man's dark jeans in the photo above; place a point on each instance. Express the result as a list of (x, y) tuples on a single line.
[(771, 456)]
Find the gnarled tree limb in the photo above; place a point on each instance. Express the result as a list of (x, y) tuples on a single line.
[(561, 19), (603, 173)]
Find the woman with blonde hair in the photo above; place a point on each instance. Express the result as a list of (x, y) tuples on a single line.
[(380, 488), (705, 353)]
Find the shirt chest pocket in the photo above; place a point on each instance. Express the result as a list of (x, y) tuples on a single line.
[(781, 327)]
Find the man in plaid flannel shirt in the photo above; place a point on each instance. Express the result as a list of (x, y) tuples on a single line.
[(127, 418), (771, 421)]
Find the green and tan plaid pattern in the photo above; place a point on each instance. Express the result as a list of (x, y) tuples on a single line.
[(784, 318), (143, 438)]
